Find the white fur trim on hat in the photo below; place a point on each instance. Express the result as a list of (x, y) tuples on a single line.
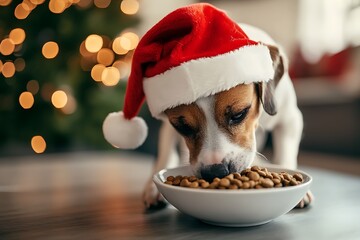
[(124, 133), (203, 77)]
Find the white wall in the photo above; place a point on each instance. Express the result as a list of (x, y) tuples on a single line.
[(151, 11), (277, 17)]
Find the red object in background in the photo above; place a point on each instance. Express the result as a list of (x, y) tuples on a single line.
[(332, 66)]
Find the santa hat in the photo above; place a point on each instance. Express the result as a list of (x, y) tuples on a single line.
[(193, 52)]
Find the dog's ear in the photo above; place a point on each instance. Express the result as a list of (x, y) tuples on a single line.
[(265, 92), (266, 89), (278, 63)]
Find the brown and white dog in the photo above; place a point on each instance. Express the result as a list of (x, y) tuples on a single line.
[(218, 86), (223, 131)]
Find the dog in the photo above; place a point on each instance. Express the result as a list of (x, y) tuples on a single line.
[(222, 133), (218, 87)]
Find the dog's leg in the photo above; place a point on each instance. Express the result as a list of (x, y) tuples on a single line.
[(286, 139), (167, 157), (309, 197)]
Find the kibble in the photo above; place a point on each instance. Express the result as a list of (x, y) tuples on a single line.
[(170, 178), (185, 183), (205, 185), (250, 178), (293, 182), (276, 180), (244, 178), (192, 179), (262, 173), (298, 177), (267, 183), (233, 186), (237, 175), (224, 182), (246, 185), (253, 176)]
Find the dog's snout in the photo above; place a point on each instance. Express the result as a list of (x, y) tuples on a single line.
[(210, 172)]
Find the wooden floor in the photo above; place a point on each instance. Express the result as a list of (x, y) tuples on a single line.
[(58, 215), (74, 196)]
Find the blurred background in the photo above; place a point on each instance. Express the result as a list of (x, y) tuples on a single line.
[(64, 66)]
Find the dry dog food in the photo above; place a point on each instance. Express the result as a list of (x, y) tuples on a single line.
[(250, 178)]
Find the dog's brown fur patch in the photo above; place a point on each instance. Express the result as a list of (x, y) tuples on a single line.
[(194, 117), (235, 100)]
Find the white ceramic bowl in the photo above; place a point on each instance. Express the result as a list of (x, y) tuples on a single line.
[(235, 208)]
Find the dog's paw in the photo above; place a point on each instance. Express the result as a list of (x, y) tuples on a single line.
[(152, 198), (306, 201)]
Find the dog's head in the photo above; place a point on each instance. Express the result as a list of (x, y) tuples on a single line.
[(219, 130)]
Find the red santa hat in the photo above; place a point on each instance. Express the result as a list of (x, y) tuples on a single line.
[(193, 52)]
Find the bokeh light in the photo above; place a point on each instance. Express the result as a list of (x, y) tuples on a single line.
[(133, 38), (38, 144), (102, 3), (33, 86), (7, 46), (59, 99), (28, 6), (70, 106), (118, 45), (84, 3), (57, 6), (8, 69), (110, 76), (26, 100), (19, 64), (105, 56), (83, 51), (97, 71), (50, 50), (125, 43), (123, 68), (37, 2), (20, 12), (17, 35), (18, 49), (93, 43), (129, 7), (5, 3)]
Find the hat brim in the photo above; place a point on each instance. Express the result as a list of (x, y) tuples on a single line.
[(206, 76)]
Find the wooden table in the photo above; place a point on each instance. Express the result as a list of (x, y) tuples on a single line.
[(98, 196)]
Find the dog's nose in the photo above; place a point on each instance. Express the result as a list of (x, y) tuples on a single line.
[(210, 172)]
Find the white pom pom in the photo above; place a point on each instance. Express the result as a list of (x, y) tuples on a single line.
[(124, 133)]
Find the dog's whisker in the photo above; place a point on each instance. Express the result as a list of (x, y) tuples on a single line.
[(261, 157)]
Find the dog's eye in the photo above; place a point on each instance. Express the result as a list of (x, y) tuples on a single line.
[(183, 128), (237, 118)]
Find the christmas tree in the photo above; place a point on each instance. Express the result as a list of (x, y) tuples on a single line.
[(63, 66)]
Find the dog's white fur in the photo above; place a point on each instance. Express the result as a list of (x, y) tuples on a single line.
[(286, 127), (217, 146)]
